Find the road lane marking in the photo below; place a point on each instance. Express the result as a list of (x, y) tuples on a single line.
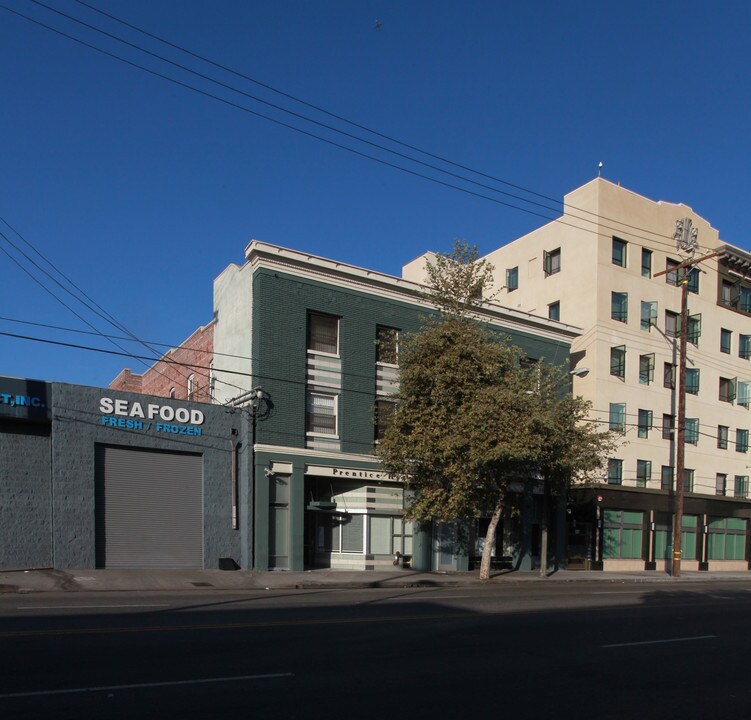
[(137, 686), (428, 597), (85, 607), (657, 642)]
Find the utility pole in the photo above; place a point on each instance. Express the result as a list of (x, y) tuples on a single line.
[(686, 239)]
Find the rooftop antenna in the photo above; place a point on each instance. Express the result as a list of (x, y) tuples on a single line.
[(599, 169)]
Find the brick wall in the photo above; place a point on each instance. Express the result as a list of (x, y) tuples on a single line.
[(191, 357)]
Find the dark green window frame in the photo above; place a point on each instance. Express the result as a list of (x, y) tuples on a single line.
[(671, 274), (721, 484), (617, 419), (615, 471), (743, 388), (622, 534), (672, 323), (691, 431), (693, 331), (646, 368), (512, 278), (648, 315), (643, 472), (619, 253), (551, 262), (741, 440), (667, 473), (723, 432), (619, 306), (692, 381), (644, 423), (726, 340), (618, 361), (727, 389), (668, 376), (668, 426), (646, 263), (726, 538)]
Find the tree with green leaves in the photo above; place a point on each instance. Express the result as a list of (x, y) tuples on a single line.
[(472, 417)]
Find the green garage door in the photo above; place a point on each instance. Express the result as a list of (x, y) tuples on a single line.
[(149, 508)]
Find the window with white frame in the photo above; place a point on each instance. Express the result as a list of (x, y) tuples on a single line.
[(191, 386), (321, 414), (323, 333)]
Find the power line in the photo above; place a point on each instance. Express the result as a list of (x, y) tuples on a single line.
[(352, 123), (333, 129), (107, 317)]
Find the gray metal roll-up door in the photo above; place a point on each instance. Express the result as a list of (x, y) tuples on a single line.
[(149, 508)]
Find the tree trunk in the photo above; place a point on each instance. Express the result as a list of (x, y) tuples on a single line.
[(490, 541)]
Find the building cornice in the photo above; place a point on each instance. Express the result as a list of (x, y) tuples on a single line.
[(313, 267), (735, 259)]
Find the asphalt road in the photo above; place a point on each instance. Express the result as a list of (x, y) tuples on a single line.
[(596, 650)]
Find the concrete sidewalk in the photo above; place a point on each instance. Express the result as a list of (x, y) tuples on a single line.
[(48, 580)]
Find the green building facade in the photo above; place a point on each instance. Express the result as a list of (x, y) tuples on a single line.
[(320, 338)]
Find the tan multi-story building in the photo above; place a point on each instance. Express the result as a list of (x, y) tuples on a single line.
[(596, 267)]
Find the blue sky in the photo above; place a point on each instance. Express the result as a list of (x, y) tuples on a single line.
[(142, 191)]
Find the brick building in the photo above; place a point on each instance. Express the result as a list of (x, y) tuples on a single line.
[(183, 373)]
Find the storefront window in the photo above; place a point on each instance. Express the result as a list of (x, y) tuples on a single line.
[(727, 539), (622, 534)]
